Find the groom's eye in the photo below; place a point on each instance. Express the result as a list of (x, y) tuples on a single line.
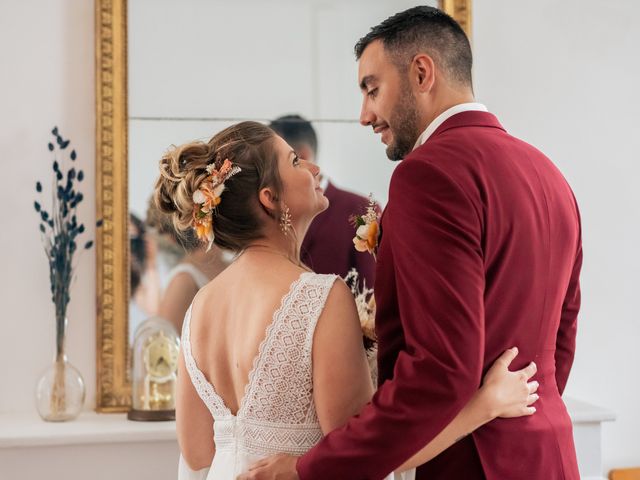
[(296, 160), (372, 93)]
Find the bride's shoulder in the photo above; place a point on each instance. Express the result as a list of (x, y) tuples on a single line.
[(334, 285), (339, 297), (325, 278)]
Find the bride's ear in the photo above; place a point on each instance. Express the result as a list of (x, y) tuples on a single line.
[(269, 201)]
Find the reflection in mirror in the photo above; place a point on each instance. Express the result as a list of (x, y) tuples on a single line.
[(167, 269), (194, 67), (198, 66)]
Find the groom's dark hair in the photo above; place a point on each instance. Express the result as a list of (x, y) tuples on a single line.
[(424, 29)]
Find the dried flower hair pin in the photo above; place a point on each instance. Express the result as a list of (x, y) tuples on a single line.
[(208, 196)]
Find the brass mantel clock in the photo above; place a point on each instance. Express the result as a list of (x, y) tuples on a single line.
[(155, 364)]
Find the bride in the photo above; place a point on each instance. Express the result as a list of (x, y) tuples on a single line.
[(272, 355)]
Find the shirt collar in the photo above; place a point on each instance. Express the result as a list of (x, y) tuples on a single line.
[(440, 119)]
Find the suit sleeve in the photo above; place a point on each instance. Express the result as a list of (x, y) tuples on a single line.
[(566, 339), (433, 232)]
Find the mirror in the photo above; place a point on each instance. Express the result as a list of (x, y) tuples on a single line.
[(169, 72)]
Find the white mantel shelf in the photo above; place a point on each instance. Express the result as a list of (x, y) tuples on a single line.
[(29, 430), (583, 412), (134, 446)]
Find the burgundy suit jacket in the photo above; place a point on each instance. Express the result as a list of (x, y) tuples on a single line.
[(328, 245), (480, 251)]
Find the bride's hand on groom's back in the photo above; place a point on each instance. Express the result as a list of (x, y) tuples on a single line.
[(509, 394)]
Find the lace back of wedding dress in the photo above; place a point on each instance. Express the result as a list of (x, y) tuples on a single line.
[(276, 413)]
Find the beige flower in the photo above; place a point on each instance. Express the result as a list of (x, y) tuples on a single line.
[(363, 231), (367, 229), (198, 197), (217, 191), (361, 245), (367, 237)]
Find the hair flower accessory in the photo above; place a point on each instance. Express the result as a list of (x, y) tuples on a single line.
[(208, 196), (367, 229)]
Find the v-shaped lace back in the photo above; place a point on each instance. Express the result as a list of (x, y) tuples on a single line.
[(205, 390), (276, 413)]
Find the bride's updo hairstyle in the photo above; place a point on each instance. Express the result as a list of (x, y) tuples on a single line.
[(236, 220)]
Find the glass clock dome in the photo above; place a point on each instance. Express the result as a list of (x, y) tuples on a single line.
[(156, 347)]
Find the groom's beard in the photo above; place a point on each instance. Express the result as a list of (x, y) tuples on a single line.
[(403, 123)]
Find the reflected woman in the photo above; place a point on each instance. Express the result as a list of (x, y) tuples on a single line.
[(193, 271), (144, 286)]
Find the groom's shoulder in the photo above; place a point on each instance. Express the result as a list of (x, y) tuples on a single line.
[(471, 149), (443, 161), (459, 145), (449, 158)]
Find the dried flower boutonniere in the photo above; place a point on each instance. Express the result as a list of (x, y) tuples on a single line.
[(208, 196), (367, 229)]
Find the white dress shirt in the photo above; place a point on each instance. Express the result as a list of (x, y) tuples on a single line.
[(439, 120)]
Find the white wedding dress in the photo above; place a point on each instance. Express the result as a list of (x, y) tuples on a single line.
[(277, 413)]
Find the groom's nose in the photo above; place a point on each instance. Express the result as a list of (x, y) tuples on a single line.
[(367, 117)]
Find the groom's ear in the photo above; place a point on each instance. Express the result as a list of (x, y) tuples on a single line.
[(422, 72)]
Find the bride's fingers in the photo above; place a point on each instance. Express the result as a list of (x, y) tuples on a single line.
[(533, 398), (527, 411), (529, 371), (507, 357), (258, 464), (533, 386)]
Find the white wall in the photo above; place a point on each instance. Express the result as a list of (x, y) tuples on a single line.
[(559, 74), (183, 62), (47, 79), (564, 76)]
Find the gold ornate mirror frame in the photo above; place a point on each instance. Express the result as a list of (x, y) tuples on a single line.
[(113, 390)]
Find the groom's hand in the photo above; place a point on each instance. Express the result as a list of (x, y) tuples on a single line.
[(277, 467)]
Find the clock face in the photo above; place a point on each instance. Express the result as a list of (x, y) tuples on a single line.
[(161, 356)]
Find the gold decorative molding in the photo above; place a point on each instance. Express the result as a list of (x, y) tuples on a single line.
[(113, 389), (460, 10)]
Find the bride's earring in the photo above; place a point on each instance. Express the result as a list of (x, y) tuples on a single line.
[(285, 220)]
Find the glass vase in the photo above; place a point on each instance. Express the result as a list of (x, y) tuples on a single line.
[(60, 392)]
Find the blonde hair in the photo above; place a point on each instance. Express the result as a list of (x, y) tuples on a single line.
[(236, 222)]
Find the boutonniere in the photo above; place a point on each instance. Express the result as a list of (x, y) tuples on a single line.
[(367, 229)]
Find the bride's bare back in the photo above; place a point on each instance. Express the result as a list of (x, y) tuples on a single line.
[(229, 320)]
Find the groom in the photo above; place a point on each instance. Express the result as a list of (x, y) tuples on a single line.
[(480, 251)]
